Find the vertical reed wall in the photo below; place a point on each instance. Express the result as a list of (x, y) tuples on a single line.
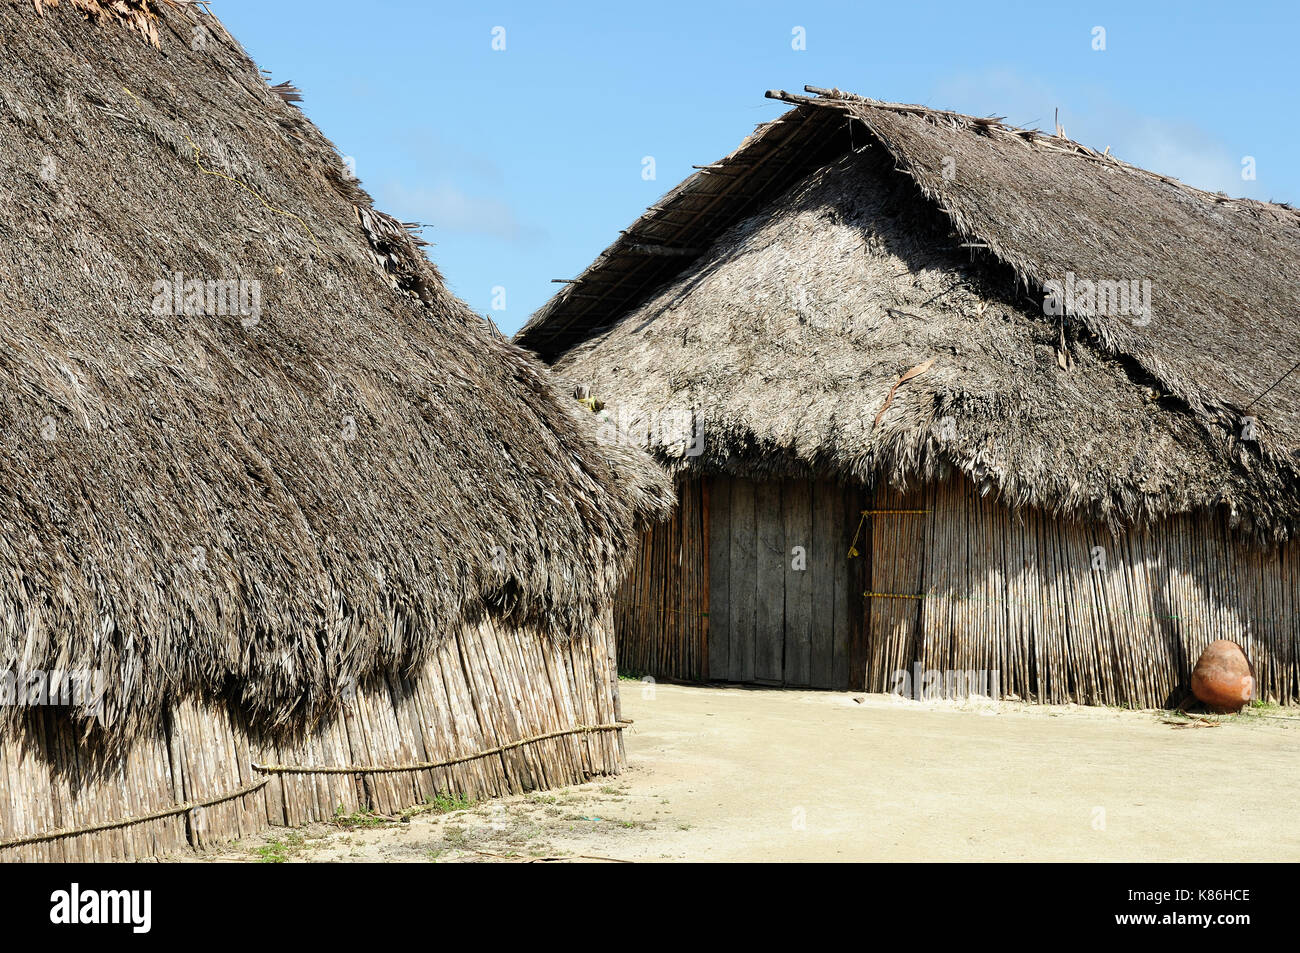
[(1063, 611), (1059, 610), (661, 613), (487, 687)]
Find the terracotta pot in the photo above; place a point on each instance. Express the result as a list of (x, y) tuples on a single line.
[(1223, 678)]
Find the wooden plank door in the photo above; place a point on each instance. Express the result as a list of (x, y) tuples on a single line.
[(769, 570), (743, 584), (784, 598), (800, 570)]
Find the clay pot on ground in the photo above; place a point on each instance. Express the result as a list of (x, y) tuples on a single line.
[(1223, 678)]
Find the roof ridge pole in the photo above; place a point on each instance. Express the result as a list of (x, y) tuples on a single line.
[(835, 93)]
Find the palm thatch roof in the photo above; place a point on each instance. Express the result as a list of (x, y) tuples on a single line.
[(269, 503), (780, 294)]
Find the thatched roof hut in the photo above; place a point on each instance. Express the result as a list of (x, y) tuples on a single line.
[(856, 297), (261, 462)]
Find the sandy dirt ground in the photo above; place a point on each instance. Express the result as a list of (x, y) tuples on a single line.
[(734, 774)]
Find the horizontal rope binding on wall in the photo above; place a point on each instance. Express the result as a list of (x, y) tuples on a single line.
[(427, 765), (272, 769), (129, 821)]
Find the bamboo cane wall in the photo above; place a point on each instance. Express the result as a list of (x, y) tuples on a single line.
[(1066, 612), (1059, 610), (661, 614), (488, 686)]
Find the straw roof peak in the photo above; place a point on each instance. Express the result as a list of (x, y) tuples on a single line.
[(1123, 284)]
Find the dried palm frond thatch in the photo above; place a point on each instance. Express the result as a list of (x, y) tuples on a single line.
[(780, 294), (288, 92), (141, 15), (268, 504)]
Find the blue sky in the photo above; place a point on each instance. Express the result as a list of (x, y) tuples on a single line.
[(525, 162)]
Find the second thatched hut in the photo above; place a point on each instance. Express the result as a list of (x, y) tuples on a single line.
[(953, 407)]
